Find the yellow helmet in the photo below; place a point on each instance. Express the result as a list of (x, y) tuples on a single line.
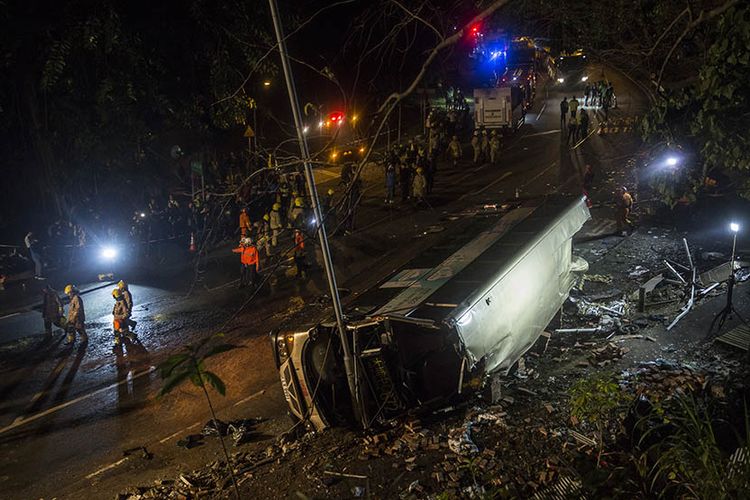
[(330, 192), (266, 217), (419, 170), (299, 202), (121, 285), (69, 289), (116, 293), (277, 206)]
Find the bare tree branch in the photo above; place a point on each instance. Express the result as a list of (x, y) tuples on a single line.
[(418, 18), (702, 17)]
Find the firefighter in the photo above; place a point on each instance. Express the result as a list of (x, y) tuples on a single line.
[(297, 214), (275, 224), (264, 241), (624, 202), (244, 223), (573, 106), (420, 186), (495, 145), (476, 146), (76, 316), (119, 316), (290, 207), (250, 264), (299, 254), (128, 297), (52, 310), (455, 150)]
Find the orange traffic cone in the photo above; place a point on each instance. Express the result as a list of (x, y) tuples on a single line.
[(192, 242)]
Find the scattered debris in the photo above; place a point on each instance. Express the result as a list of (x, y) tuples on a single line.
[(637, 271), (738, 337), (459, 440)]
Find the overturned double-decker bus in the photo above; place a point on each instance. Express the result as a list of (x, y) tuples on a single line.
[(474, 302)]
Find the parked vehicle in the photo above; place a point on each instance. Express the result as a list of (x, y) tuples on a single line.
[(474, 304), (499, 108)]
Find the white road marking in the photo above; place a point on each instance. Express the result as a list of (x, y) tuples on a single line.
[(555, 131), (106, 468), (251, 396), (172, 436), (544, 106)]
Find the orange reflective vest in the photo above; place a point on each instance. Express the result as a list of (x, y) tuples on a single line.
[(248, 255), (299, 244)]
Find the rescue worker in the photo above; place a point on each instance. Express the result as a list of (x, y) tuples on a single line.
[(120, 316), (299, 254), (455, 149), (563, 113), (624, 202), (420, 186), (476, 146), (390, 184), (76, 316), (244, 223), (52, 310), (275, 224), (128, 297), (573, 105), (250, 264), (297, 213), (290, 207), (264, 240), (485, 146), (495, 145), (326, 202), (583, 126), (573, 130)]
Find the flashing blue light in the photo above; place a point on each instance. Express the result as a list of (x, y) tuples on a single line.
[(494, 54)]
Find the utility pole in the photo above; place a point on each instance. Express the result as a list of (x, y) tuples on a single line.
[(328, 263)]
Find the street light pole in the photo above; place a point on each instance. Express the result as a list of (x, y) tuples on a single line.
[(327, 261)]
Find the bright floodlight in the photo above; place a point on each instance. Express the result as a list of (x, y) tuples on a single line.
[(143, 214), (672, 161), (734, 227), (305, 129), (109, 253)]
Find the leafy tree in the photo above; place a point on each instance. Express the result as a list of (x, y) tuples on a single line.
[(709, 116), (190, 365), (89, 91)]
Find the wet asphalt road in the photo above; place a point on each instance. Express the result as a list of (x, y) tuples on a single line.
[(67, 413)]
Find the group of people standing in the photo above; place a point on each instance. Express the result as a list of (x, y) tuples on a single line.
[(74, 322)]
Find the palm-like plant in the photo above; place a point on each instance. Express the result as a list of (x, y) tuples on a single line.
[(189, 364)]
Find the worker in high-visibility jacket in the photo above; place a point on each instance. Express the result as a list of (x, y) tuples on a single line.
[(299, 254), (250, 264), (244, 223), (275, 224)]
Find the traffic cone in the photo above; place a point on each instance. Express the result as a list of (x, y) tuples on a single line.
[(192, 242)]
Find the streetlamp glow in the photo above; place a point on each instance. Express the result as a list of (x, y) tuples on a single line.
[(672, 161), (267, 83), (734, 227), (305, 129)]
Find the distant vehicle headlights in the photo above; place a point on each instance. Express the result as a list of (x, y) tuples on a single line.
[(584, 78), (560, 80), (109, 253)]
